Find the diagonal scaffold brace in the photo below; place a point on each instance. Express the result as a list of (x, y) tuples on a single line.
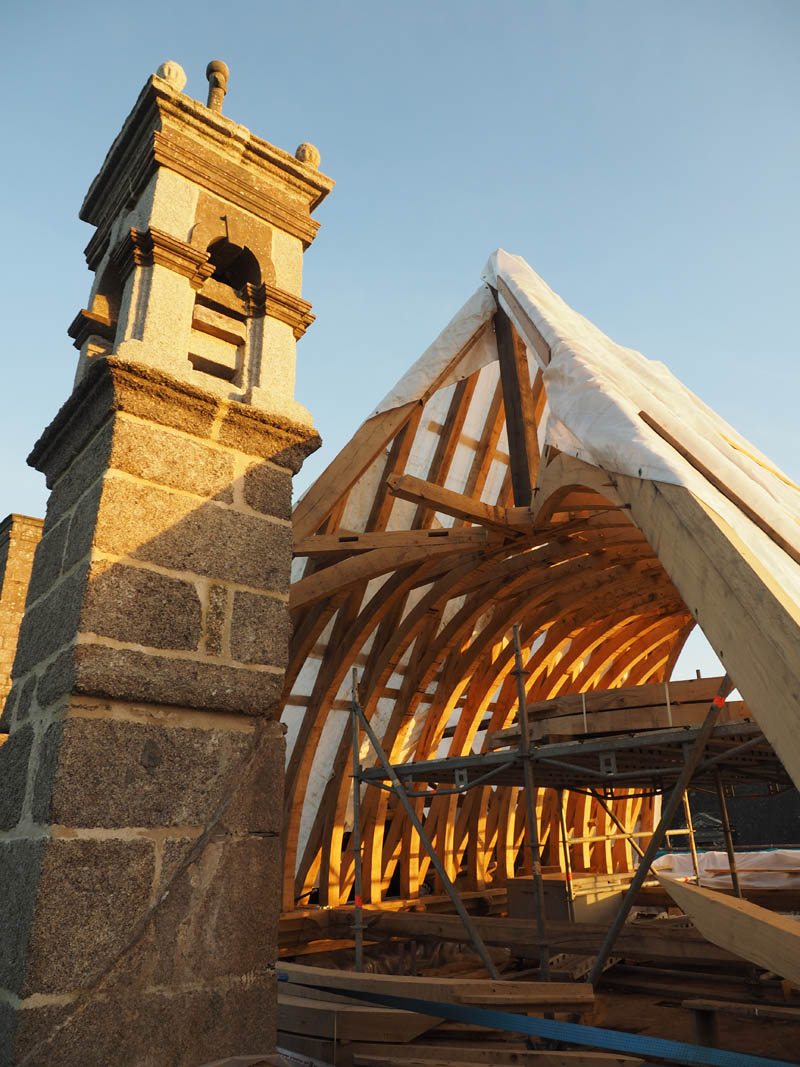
[(397, 788), (691, 760)]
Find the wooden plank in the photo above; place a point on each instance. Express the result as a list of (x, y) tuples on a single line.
[(345, 470), (314, 1048), (435, 497), (692, 691), (656, 940), (747, 1010), (745, 612), (455, 1056), (338, 544), (763, 937), (622, 720), (451, 989), (349, 1022), (482, 1054)]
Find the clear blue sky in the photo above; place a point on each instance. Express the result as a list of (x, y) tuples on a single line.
[(643, 157)]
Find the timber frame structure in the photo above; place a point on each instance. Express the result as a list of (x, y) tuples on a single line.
[(525, 471)]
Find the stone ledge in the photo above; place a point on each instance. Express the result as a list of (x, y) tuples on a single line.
[(112, 385), (125, 674)]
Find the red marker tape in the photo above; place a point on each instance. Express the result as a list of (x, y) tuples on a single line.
[(359, 902), (718, 701)]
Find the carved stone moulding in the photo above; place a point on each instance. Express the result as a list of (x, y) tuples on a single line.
[(143, 248)]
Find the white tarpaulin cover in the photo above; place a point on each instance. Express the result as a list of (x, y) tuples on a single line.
[(595, 391), (775, 869)]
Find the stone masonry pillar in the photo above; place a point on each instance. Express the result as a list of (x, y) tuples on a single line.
[(141, 790)]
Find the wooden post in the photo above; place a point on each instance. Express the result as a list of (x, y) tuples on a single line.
[(687, 808), (358, 915), (567, 862), (726, 829), (530, 794)]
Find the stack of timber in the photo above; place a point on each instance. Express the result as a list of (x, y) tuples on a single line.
[(661, 940), (612, 711), (321, 1016)]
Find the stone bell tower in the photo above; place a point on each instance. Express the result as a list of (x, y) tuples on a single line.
[(142, 783)]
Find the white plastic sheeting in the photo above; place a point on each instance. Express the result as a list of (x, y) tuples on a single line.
[(777, 869), (595, 391)]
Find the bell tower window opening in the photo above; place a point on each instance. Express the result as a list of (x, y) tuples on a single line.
[(219, 323)]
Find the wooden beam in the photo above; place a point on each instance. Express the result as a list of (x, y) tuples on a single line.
[(474, 1056), (449, 989), (746, 614), (345, 470), (347, 1022), (523, 444), (345, 543), (691, 691), (637, 940), (770, 940), (437, 498), (342, 576), (622, 720)]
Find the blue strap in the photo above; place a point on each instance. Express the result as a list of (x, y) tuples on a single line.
[(593, 1036)]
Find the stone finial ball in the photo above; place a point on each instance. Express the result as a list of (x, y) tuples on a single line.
[(172, 73), (216, 66), (308, 154)]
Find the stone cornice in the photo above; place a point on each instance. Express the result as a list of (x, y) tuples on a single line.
[(143, 248), (88, 324), (166, 128), (114, 385), (295, 312)]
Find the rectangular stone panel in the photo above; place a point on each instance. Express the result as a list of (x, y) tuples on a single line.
[(256, 804), (83, 472), (142, 607), (160, 776), (220, 917), (172, 459), (51, 623), (268, 490), (215, 619), (20, 864), (178, 533), (91, 896), (15, 757), (48, 560), (260, 629)]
